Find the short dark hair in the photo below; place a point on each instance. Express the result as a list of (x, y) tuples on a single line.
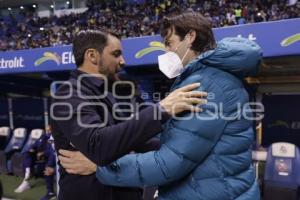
[(184, 23), (86, 39)]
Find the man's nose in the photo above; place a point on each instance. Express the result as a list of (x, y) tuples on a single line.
[(122, 61)]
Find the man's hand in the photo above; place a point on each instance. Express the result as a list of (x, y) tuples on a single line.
[(75, 162), (49, 171), (184, 99)]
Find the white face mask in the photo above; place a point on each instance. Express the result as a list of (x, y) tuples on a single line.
[(170, 64)]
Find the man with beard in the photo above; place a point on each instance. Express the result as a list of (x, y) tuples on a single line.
[(83, 116)]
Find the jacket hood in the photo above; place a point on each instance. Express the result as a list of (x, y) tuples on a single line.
[(238, 56)]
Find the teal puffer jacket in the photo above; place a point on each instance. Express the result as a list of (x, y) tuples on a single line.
[(204, 156)]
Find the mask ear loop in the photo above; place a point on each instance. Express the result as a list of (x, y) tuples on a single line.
[(185, 54), (180, 45)]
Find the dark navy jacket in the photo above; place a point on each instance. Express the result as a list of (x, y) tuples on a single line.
[(102, 145)]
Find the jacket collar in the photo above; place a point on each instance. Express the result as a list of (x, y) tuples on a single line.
[(238, 56), (96, 84), (90, 80), (192, 67)]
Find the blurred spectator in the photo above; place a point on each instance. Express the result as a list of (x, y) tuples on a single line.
[(27, 30), (40, 158)]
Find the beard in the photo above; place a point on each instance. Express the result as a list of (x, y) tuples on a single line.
[(106, 71)]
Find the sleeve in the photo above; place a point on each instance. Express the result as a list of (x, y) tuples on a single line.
[(103, 144), (150, 145), (187, 142)]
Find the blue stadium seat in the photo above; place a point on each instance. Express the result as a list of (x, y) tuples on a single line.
[(282, 172), (17, 140), (14, 145), (5, 135), (35, 134)]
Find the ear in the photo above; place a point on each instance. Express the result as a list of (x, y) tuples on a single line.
[(192, 37), (91, 55)]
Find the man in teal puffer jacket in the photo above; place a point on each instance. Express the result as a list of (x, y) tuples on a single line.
[(203, 156)]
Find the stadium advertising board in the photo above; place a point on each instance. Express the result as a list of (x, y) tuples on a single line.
[(279, 38)]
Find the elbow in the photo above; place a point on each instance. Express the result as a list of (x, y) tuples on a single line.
[(179, 170)]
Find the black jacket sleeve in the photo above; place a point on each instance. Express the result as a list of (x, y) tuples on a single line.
[(102, 145), (151, 145)]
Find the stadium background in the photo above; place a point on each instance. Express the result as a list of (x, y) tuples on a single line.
[(35, 39)]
